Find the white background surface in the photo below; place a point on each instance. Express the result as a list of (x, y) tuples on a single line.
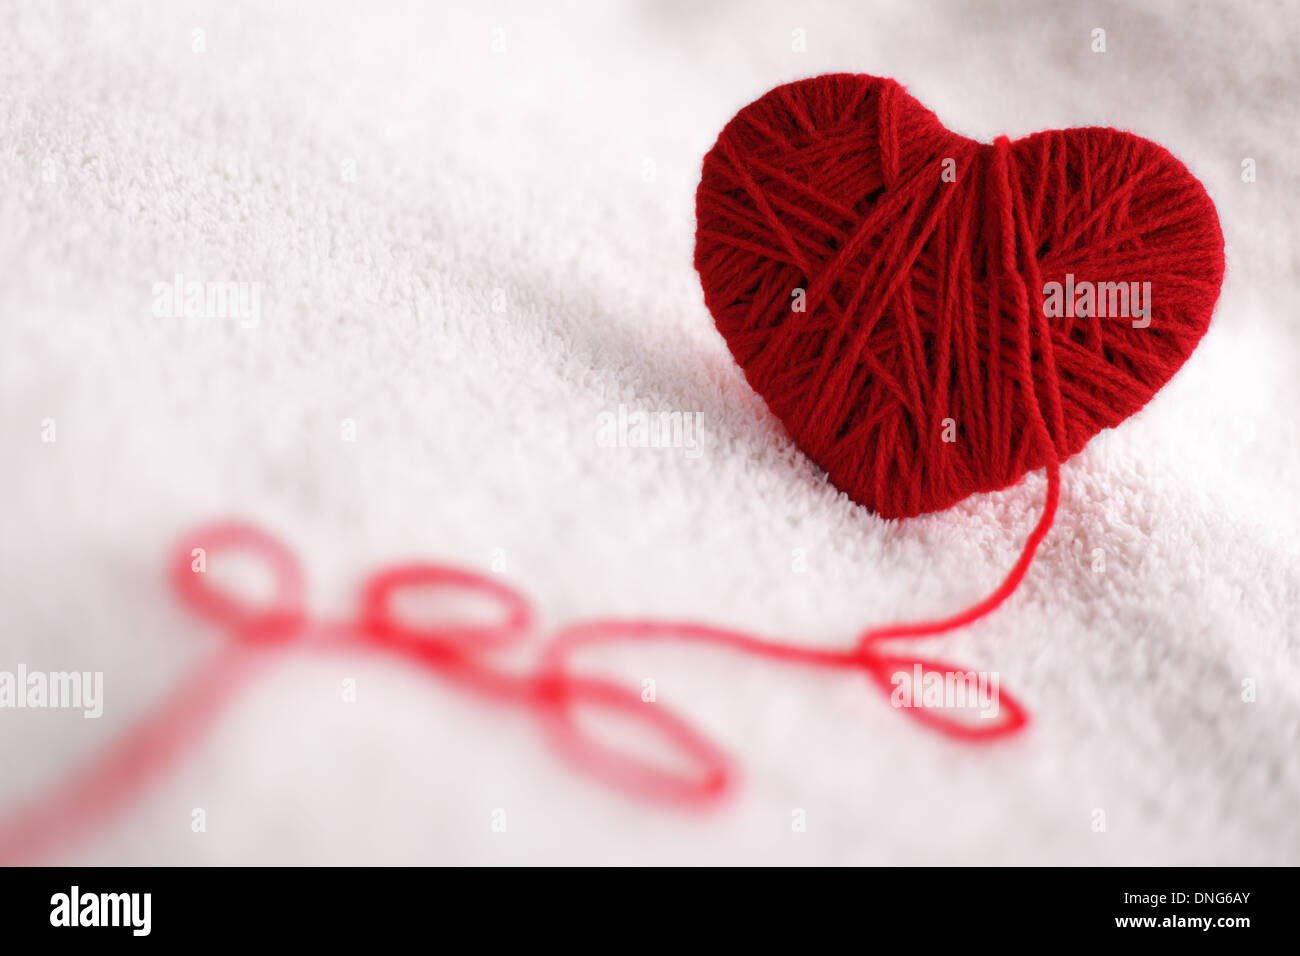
[(522, 171)]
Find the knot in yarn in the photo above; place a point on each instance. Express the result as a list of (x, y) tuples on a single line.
[(931, 317)]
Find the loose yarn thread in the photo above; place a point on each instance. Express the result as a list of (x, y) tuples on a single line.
[(459, 653)]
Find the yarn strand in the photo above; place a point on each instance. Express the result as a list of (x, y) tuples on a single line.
[(89, 798)]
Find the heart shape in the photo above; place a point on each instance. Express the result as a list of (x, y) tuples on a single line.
[(930, 316)]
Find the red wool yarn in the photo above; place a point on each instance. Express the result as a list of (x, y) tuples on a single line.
[(933, 356), (922, 368), (922, 259)]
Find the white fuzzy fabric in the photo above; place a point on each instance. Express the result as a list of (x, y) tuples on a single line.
[(127, 157)]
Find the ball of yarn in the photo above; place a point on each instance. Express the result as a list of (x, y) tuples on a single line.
[(881, 281)]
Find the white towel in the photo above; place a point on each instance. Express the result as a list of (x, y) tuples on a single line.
[(467, 229)]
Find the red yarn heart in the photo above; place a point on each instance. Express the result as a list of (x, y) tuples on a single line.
[(924, 367)]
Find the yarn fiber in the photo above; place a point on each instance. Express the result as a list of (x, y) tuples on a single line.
[(922, 368)]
